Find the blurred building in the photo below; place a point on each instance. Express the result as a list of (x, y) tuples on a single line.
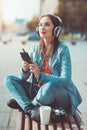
[(1, 14), (48, 6)]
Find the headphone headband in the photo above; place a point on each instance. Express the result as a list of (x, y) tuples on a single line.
[(60, 21)]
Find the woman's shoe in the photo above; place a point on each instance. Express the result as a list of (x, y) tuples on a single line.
[(35, 114), (13, 104), (29, 109)]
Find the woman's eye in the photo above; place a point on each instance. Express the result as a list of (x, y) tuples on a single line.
[(40, 25), (47, 24)]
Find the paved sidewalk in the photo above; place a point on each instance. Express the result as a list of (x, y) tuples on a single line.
[(10, 62)]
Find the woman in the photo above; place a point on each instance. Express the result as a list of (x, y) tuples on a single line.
[(51, 69)]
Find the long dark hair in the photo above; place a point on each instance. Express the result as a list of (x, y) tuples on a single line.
[(55, 41)]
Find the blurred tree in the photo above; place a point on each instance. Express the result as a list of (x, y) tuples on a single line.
[(33, 23), (60, 9), (74, 15), (80, 16)]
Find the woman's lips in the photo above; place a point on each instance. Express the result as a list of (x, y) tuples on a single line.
[(42, 32)]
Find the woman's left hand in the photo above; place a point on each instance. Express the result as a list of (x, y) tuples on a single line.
[(34, 69)]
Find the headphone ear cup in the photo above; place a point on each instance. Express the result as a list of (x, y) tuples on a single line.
[(37, 29), (57, 31)]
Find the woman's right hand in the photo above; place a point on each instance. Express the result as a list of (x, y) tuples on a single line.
[(25, 66)]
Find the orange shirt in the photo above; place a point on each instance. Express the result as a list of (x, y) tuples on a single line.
[(45, 68)]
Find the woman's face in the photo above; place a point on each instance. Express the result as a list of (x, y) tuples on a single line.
[(46, 27)]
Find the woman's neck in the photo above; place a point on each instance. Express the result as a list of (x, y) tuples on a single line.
[(48, 42), (47, 46)]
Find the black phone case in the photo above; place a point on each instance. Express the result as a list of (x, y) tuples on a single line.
[(25, 57)]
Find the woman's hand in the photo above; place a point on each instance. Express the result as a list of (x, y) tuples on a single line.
[(25, 66), (34, 69)]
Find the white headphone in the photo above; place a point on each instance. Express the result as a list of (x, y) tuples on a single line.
[(58, 28)]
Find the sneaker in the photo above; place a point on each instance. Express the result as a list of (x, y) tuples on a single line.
[(35, 114), (13, 104)]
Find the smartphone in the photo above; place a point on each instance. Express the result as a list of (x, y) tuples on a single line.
[(25, 56)]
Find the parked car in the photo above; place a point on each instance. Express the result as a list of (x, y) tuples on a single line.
[(33, 36)]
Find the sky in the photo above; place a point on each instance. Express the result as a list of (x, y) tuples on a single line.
[(20, 9)]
